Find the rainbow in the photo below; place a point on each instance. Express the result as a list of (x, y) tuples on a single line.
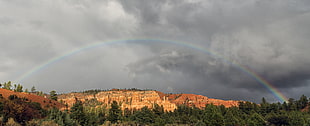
[(245, 69)]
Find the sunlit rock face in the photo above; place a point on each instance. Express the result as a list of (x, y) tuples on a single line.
[(137, 99), (44, 100)]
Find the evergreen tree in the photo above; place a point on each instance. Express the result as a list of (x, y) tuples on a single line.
[(277, 119), (114, 112), (212, 116), (33, 89), (40, 93), (255, 119), (200, 123), (77, 113), (7, 85), (144, 116), (302, 102), (274, 107), (19, 88), (158, 110), (230, 119), (292, 105), (285, 106), (26, 90), (265, 107), (296, 118), (53, 95)]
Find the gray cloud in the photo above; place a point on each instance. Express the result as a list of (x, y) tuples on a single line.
[(268, 37)]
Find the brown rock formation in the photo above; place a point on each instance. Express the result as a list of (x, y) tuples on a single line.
[(45, 102), (138, 99), (198, 101)]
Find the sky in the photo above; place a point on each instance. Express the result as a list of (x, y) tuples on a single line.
[(269, 37)]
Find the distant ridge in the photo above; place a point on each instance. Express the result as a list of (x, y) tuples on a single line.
[(137, 98)]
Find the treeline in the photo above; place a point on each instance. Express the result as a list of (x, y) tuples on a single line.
[(95, 91), (293, 113), (19, 88), (21, 111)]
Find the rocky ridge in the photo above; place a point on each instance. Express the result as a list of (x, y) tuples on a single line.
[(43, 100), (137, 99)]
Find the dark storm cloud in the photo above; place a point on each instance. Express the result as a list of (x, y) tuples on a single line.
[(266, 36), (269, 37)]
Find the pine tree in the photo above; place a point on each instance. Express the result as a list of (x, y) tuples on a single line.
[(53, 95), (212, 116), (230, 119), (26, 90), (158, 110), (277, 119), (7, 85), (256, 120), (77, 113), (296, 118), (114, 112), (292, 104), (302, 102), (33, 89), (19, 88), (144, 116), (265, 107)]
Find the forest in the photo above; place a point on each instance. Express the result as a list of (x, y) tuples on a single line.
[(22, 111)]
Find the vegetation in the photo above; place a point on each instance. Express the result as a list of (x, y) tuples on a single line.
[(95, 91), (53, 95), (21, 111), (294, 113)]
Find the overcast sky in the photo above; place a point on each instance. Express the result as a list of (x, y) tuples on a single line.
[(270, 37)]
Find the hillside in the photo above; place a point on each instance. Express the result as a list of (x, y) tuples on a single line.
[(136, 99), (97, 107), (45, 102)]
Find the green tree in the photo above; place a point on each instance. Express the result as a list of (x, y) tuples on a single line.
[(302, 102), (144, 116), (158, 110), (296, 118), (285, 106), (255, 119), (53, 95), (230, 119), (7, 85), (200, 123), (212, 116), (77, 113), (114, 112), (26, 90), (40, 93), (33, 89), (19, 88), (264, 107), (61, 118), (277, 119)]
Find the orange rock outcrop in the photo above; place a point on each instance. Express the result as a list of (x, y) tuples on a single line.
[(44, 101), (127, 99), (137, 99), (199, 101)]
